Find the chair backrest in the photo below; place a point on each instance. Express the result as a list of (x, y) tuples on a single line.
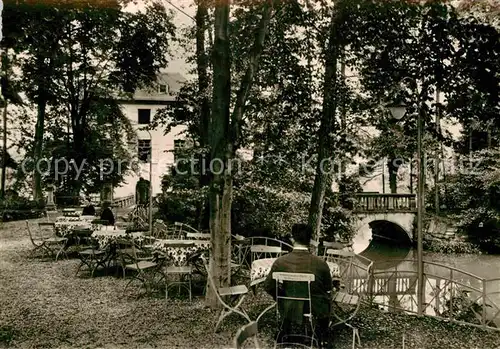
[(332, 245), (198, 236), (295, 287), (262, 251), (30, 233), (343, 259), (46, 229), (248, 331)]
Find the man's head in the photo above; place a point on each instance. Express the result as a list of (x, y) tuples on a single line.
[(106, 204), (301, 234)]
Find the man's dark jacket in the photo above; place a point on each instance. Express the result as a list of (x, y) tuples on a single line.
[(107, 215), (301, 261), (88, 210)]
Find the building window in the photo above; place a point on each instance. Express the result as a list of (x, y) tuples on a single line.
[(144, 150), (144, 116), (162, 88)]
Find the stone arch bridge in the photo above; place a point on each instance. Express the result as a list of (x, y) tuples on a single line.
[(384, 216)]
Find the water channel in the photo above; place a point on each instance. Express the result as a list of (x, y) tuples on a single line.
[(394, 264)]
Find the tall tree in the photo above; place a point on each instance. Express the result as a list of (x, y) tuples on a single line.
[(225, 135), (327, 128), (97, 55)]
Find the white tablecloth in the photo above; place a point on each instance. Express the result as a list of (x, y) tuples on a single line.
[(106, 237), (262, 267), (178, 251)]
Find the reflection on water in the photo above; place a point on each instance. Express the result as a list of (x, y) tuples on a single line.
[(395, 280), (386, 255)]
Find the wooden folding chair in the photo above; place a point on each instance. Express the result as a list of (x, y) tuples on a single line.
[(198, 236), (236, 293), (250, 330), (144, 268), (332, 245), (347, 300), (47, 241), (183, 269), (261, 251), (93, 258), (289, 286)]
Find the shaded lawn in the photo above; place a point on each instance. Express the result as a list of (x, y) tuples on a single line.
[(43, 305)]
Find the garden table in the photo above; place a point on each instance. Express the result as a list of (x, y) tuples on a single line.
[(261, 267), (64, 228), (110, 237), (179, 251)]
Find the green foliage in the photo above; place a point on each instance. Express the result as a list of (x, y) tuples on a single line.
[(471, 196), (74, 66), (265, 211), (180, 205), (451, 246), (15, 208)]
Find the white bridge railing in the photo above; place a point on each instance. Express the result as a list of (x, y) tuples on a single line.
[(449, 293)]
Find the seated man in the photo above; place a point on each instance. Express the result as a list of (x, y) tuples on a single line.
[(89, 209), (107, 214), (300, 260)]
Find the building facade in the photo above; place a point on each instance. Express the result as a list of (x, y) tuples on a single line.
[(153, 149)]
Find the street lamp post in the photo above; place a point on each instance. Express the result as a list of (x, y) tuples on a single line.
[(397, 112), (150, 212)]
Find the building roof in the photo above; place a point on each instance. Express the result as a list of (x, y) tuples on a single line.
[(174, 81)]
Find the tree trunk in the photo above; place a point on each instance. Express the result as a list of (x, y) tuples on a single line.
[(326, 128), (5, 62), (436, 154), (203, 84), (39, 129), (4, 151), (219, 126), (224, 144), (343, 114)]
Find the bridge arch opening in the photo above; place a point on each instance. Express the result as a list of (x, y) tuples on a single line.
[(390, 232), (383, 241)]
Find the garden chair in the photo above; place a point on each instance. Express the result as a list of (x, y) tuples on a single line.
[(250, 330), (265, 247), (291, 303), (261, 251), (332, 245), (46, 241), (144, 268), (127, 253), (236, 296), (183, 269), (198, 236), (93, 258), (355, 273)]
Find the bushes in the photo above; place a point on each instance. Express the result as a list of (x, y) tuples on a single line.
[(18, 208), (181, 205), (450, 246), (264, 211)]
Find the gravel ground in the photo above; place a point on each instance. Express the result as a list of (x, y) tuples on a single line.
[(44, 305)]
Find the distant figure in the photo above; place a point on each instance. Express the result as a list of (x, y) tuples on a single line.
[(89, 209), (142, 189), (107, 214)]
